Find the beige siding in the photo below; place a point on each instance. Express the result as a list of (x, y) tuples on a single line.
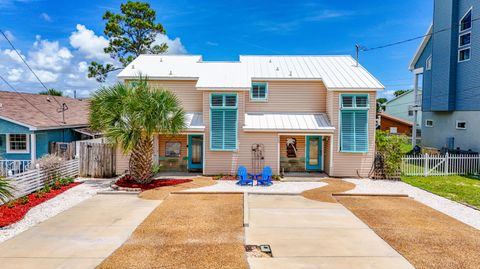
[(186, 91), (121, 161), (326, 154), (347, 164), (291, 96)]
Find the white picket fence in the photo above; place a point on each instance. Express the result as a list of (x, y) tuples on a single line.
[(34, 179), (440, 165), (12, 167)]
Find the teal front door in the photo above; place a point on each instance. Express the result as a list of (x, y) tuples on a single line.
[(313, 160), (195, 152)]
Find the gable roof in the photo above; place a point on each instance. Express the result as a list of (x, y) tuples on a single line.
[(14, 108), (393, 118), (402, 95), (420, 48), (336, 72)]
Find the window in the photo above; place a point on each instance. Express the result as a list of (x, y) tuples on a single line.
[(223, 122), (259, 92), (17, 143), (428, 63), (464, 55), (354, 123), (393, 130), (461, 124), (410, 113), (172, 149), (466, 21), (464, 39), (428, 123)]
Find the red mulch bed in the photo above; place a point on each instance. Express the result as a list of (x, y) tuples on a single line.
[(128, 182), (9, 216)]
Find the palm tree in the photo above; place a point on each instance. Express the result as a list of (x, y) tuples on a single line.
[(5, 190), (131, 115)]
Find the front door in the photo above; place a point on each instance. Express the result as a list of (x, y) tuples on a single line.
[(195, 152), (314, 153)]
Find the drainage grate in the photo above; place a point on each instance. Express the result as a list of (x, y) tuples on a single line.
[(259, 251)]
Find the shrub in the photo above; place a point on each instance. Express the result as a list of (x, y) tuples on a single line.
[(46, 189), (390, 147), (11, 204), (56, 185), (6, 190), (156, 168), (24, 200)]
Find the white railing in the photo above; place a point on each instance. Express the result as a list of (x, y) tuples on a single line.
[(12, 167), (34, 179), (440, 165)]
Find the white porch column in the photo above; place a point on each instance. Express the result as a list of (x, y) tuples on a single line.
[(33, 147), (330, 165)]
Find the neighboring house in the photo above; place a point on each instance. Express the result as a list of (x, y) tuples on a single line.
[(292, 113), (29, 122), (401, 107), (447, 64), (394, 125)]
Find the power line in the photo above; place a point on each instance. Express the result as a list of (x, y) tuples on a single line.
[(26, 100), (362, 48), (63, 106)]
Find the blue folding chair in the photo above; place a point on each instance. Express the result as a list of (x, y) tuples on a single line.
[(265, 178), (245, 178)]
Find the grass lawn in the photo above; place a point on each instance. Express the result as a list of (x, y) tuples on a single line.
[(457, 188)]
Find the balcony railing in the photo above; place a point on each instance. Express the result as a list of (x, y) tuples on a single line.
[(13, 167)]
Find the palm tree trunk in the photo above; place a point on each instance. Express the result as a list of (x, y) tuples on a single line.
[(141, 160)]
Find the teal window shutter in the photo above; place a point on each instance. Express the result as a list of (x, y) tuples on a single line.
[(223, 122), (354, 123)]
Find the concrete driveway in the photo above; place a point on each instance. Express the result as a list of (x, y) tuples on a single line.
[(309, 234), (80, 237)]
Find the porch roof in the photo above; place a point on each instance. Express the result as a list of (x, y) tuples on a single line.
[(287, 122), (194, 121)]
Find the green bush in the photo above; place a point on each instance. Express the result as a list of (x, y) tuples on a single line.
[(24, 200), (390, 147), (46, 189), (11, 204), (156, 168)]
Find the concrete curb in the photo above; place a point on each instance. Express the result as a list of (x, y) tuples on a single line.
[(371, 195), (119, 192)]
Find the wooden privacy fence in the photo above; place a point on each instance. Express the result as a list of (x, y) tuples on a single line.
[(97, 160), (64, 150), (440, 165), (34, 179)]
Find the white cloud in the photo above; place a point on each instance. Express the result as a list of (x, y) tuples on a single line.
[(211, 43), (44, 75), (49, 55), (82, 66), (89, 44), (175, 46), (9, 35), (14, 74), (13, 55), (46, 17)]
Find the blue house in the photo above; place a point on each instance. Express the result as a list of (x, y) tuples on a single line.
[(447, 64), (30, 122)]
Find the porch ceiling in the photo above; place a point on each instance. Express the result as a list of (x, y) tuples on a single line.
[(288, 122)]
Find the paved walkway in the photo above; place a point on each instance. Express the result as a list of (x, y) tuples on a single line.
[(80, 237), (309, 234), (277, 187)]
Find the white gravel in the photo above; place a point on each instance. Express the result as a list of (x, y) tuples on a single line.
[(277, 187), (54, 206), (456, 210)]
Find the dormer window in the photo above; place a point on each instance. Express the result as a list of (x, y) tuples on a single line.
[(466, 21)]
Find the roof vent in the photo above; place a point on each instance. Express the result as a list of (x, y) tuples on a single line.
[(270, 61), (170, 73), (133, 66), (290, 73), (277, 69), (161, 59)]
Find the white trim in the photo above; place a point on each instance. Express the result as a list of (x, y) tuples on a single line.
[(420, 48), (331, 156), (30, 127), (429, 125), (7, 147), (33, 155), (463, 17), (469, 55), (354, 89), (428, 63), (460, 121), (417, 71), (227, 89), (323, 130)]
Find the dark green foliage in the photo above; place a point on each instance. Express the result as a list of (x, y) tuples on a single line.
[(131, 32), (24, 200), (6, 190), (52, 92)]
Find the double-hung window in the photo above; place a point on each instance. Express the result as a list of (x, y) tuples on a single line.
[(223, 122), (354, 122), (17, 143), (465, 37), (259, 92)]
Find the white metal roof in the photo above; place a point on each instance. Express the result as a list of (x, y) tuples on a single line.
[(194, 121), (337, 72), (288, 122)]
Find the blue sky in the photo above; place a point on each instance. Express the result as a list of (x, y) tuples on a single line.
[(59, 38)]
